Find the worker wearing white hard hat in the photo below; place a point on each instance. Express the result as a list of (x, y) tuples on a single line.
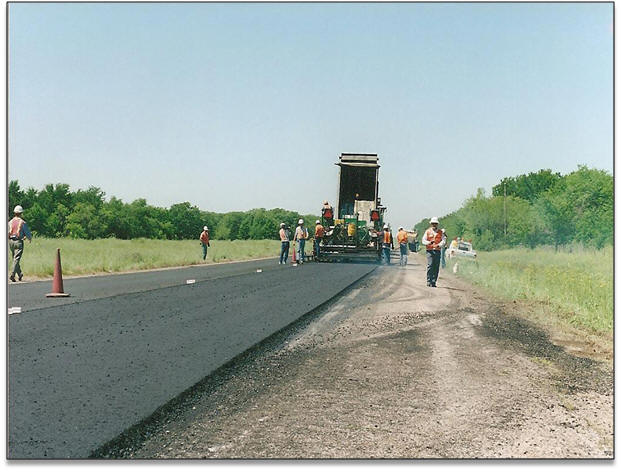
[(204, 239), (319, 235), (300, 236), (402, 240), (386, 241), (284, 238), (433, 240), (18, 231), (327, 213)]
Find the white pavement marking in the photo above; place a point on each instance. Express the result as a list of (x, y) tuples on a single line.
[(190, 281), (15, 310)]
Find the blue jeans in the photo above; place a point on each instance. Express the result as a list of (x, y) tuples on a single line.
[(316, 244), (403, 254), (301, 251), (284, 252), (386, 252), (443, 257), (434, 259)]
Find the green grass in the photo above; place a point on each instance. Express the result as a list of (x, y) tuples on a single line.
[(577, 283), (81, 257)]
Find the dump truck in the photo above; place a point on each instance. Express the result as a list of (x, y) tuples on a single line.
[(353, 227)]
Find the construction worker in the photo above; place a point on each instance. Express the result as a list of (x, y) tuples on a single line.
[(319, 234), (433, 240), (18, 231), (402, 240), (454, 243), (387, 243), (204, 238), (443, 263), (327, 214), (301, 235), (284, 237)]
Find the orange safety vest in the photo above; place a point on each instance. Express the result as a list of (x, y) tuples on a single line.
[(387, 237), (319, 231), (402, 237), (327, 212), (15, 227), (435, 238), (301, 233), (204, 237)]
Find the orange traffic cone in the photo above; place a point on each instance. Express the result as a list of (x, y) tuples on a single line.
[(57, 283)]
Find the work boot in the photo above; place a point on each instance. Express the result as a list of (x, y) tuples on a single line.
[(12, 278), (19, 277)]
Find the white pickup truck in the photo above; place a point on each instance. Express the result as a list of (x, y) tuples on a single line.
[(461, 249)]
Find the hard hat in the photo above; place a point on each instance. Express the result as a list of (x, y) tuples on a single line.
[(386, 225), (317, 222), (18, 209), (401, 227), (282, 224), (300, 221), (443, 230), (325, 202), (434, 220), (204, 228)]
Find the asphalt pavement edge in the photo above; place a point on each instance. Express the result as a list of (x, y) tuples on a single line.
[(140, 431)]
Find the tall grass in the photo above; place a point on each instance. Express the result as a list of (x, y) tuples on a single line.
[(577, 283), (80, 257)]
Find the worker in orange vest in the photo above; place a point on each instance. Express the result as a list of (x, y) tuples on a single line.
[(433, 240), (402, 240), (387, 243), (300, 236), (327, 213), (204, 238), (18, 231), (319, 234), (284, 237)]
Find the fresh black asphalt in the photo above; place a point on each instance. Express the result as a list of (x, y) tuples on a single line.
[(83, 369)]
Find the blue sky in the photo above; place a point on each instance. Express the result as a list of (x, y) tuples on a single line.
[(239, 106)]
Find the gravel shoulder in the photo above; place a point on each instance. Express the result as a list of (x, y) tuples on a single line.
[(393, 369)]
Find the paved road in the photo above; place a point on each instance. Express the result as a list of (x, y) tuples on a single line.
[(83, 369)]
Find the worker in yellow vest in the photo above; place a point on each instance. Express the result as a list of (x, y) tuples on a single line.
[(18, 231), (402, 240), (433, 240)]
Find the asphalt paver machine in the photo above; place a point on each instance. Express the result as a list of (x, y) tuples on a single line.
[(354, 226)]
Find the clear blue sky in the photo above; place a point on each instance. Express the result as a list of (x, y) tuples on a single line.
[(239, 106)]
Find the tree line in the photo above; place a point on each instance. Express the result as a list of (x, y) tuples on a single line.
[(55, 211), (539, 208)]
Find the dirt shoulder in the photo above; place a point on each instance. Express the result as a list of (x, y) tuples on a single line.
[(394, 369)]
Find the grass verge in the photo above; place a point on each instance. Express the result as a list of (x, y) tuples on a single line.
[(83, 257), (571, 287)]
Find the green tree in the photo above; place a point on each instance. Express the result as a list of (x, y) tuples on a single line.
[(527, 186), (16, 197), (84, 222)]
